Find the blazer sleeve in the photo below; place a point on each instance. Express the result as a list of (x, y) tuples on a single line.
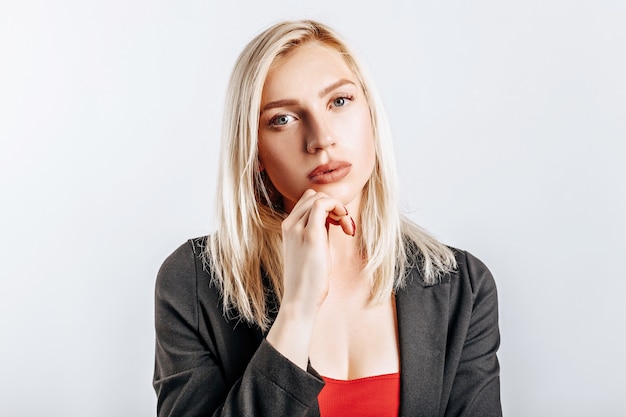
[(189, 378), (476, 388)]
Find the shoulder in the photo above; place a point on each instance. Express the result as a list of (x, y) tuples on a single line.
[(467, 268), (179, 274), (184, 260), (473, 299), (468, 283), (472, 273)]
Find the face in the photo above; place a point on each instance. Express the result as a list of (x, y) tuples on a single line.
[(315, 129)]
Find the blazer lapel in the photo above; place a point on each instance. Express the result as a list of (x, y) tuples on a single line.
[(422, 313)]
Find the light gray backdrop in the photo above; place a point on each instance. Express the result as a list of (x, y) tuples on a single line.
[(509, 121)]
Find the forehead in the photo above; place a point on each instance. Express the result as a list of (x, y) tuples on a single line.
[(310, 64)]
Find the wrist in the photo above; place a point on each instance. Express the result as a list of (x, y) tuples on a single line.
[(292, 331)]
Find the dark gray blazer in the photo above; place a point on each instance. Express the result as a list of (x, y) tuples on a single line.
[(207, 365)]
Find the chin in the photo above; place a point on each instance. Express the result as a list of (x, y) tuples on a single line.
[(347, 195)]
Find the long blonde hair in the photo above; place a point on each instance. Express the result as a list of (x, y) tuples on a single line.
[(245, 253)]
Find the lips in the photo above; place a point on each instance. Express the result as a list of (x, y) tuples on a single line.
[(331, 172)]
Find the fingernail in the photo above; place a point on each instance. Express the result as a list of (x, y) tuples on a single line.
[(344, 207), (330, 220), (353, 227)]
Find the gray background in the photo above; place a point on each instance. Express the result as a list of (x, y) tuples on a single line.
[(509, 121)]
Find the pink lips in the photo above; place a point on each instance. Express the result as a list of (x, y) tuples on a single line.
[(331, 172)]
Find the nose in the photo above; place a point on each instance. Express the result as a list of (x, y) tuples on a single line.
[(320, 135)]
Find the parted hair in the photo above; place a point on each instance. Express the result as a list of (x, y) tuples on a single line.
[(245, 252)]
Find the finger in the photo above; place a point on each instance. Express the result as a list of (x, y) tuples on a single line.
[(302, 208), (306, 196), (300, 211), (348, 226), (344, 220), (326, 210), (330, 220)]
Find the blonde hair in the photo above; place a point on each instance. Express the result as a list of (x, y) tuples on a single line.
[(245, 253)]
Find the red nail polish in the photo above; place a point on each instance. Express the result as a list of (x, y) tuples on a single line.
[(353, 227), (347, 214), (330, 220)]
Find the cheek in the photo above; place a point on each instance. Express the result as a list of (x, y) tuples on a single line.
[(272, 158), (360, 131), (359, 119), (280, 165), (262, 156), (366, 140), (267, 154), (274, 146)]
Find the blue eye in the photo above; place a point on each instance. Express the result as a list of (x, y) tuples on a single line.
[(339, 102), (281, 120)]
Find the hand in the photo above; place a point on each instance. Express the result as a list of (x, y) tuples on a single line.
[(306, 250), (307, 261)]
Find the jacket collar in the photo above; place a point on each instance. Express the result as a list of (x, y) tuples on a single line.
[(422, 313)]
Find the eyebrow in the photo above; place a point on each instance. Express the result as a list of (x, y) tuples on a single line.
[(279, 103), (322, 93), (333, 86)]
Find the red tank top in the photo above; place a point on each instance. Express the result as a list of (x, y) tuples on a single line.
[(374, 396)]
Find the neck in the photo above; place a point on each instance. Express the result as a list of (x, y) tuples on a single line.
[(347, 280), (345, 248)]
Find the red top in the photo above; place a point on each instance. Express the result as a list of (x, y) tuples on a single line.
[(374, 396)]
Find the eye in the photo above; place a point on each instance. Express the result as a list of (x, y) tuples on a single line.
[(341, 101), (281, 120)]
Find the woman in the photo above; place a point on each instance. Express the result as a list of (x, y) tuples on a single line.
[(315, 296)]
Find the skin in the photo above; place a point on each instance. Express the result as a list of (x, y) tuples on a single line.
[(314, 112), (322, 115)]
